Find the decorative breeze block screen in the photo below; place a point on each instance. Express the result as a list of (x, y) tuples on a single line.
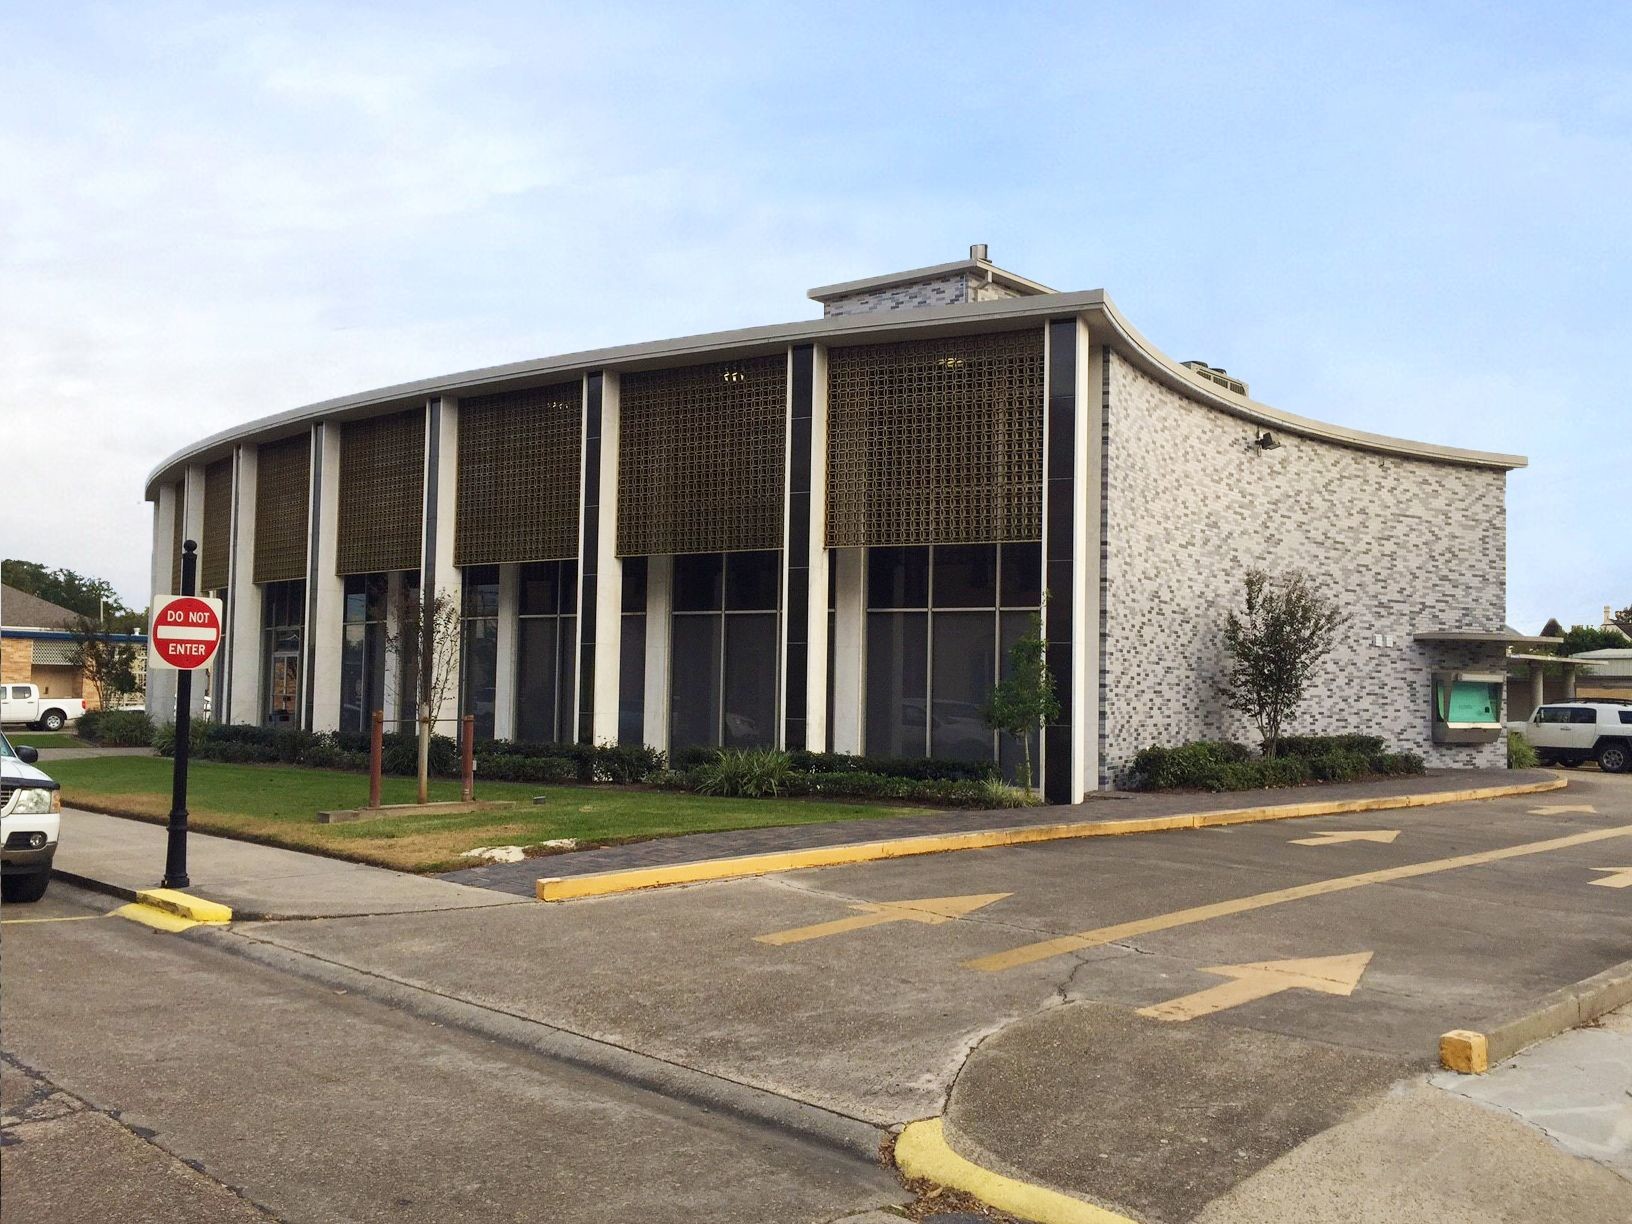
[(700, 458), (519, 454), (283, 472), (382, 490), (936, 441), (215, 548)]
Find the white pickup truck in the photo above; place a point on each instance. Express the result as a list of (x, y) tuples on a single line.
[(24, 704)]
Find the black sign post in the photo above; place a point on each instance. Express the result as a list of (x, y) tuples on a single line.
[(175, 858)]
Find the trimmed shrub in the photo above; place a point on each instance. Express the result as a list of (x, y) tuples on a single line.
[(1217, 766), (1338, 766), (624, 763), (923, 769), (1324, 745), (116, 728), (1196, 766), (1520, 753)]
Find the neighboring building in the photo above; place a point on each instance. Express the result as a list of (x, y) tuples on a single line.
[(36, 647), (1609, 673), (825, 534)]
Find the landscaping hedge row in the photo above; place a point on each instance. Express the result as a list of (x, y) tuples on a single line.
[(1218, 765), (922, 769), (802, 773), (115, 728)]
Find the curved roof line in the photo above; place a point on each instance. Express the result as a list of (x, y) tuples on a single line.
[(1102, 315)]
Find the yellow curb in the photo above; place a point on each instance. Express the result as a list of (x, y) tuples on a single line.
[(604, 883), (921, 1150), (1465, 1051), (184, 905), (150, 915)]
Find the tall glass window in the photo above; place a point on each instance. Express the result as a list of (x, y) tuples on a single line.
[(632, 654), (940, 621), (546, 651), (283, 624), (362, 654), (723, 674), (479, 647)]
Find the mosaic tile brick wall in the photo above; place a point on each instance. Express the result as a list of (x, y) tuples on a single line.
[(1407, 546), (942, 291)]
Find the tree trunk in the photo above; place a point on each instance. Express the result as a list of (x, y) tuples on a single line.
[(425, 756), (1025, 740)]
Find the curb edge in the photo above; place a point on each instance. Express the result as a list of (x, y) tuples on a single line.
[(921, 1150), (607, 883)]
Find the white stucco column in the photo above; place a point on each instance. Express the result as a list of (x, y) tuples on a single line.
[(1570, 673), (849, 647), (504, 682), (325, 589), (161, 683), (609, 576), (659, 627), (817, 732), (439, 579), (1086, 712), (192, 528), (391, 682), (244, 597)]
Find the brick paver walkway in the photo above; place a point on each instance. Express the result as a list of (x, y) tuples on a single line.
[(519, 878)]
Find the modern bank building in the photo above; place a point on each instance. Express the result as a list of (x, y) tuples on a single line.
[(826, 535)]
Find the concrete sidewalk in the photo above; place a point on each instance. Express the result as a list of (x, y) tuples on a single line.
[(120, 856), (520, 878)]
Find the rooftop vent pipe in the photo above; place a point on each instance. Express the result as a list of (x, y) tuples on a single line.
[(978, 251)]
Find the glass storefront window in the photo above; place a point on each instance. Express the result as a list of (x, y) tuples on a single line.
[(724, 655), (479, 657), (283, 619), (940, 624), (362, 650), (546, 652)]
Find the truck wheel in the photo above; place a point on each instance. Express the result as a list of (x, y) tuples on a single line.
[(1546, 758), (1615, 758), (52, 720), (29, 887)]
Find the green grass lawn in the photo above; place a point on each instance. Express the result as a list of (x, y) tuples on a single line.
[(276, 804), (45, 739)]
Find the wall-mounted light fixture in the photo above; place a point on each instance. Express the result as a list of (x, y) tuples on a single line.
[(1266, 441)]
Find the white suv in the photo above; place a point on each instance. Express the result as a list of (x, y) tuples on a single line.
[(1571, 732)]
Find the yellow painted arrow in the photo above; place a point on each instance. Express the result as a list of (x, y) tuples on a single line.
[(1560, 809), (1335, 975), (931, 911), (1619, 877), (1335, 837)]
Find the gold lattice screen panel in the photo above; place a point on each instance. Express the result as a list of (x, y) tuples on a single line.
[(282, 506), (216, 547), (700, 458), (936, 441), (519, 454), (382, 486)]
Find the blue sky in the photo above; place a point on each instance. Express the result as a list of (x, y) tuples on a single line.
[(1412, 219)]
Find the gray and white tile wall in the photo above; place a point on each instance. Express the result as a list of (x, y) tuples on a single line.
[(1190, 504)]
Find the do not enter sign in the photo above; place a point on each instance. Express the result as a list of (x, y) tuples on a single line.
[(186, 632)]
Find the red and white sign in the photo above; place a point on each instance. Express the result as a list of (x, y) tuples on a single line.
[(185, 633)]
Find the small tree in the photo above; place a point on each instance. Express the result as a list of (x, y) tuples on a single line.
[(108, 666), (425, 642), (1023, 701), (1287, 629)]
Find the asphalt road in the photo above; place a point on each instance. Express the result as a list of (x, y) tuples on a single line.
[(152, 1077)]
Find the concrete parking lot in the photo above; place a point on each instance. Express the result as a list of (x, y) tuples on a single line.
[(1153, 1022)]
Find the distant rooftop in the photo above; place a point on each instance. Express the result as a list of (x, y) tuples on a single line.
[(975, 279)]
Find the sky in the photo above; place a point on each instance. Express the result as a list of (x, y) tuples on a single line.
[(1407, 218)]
